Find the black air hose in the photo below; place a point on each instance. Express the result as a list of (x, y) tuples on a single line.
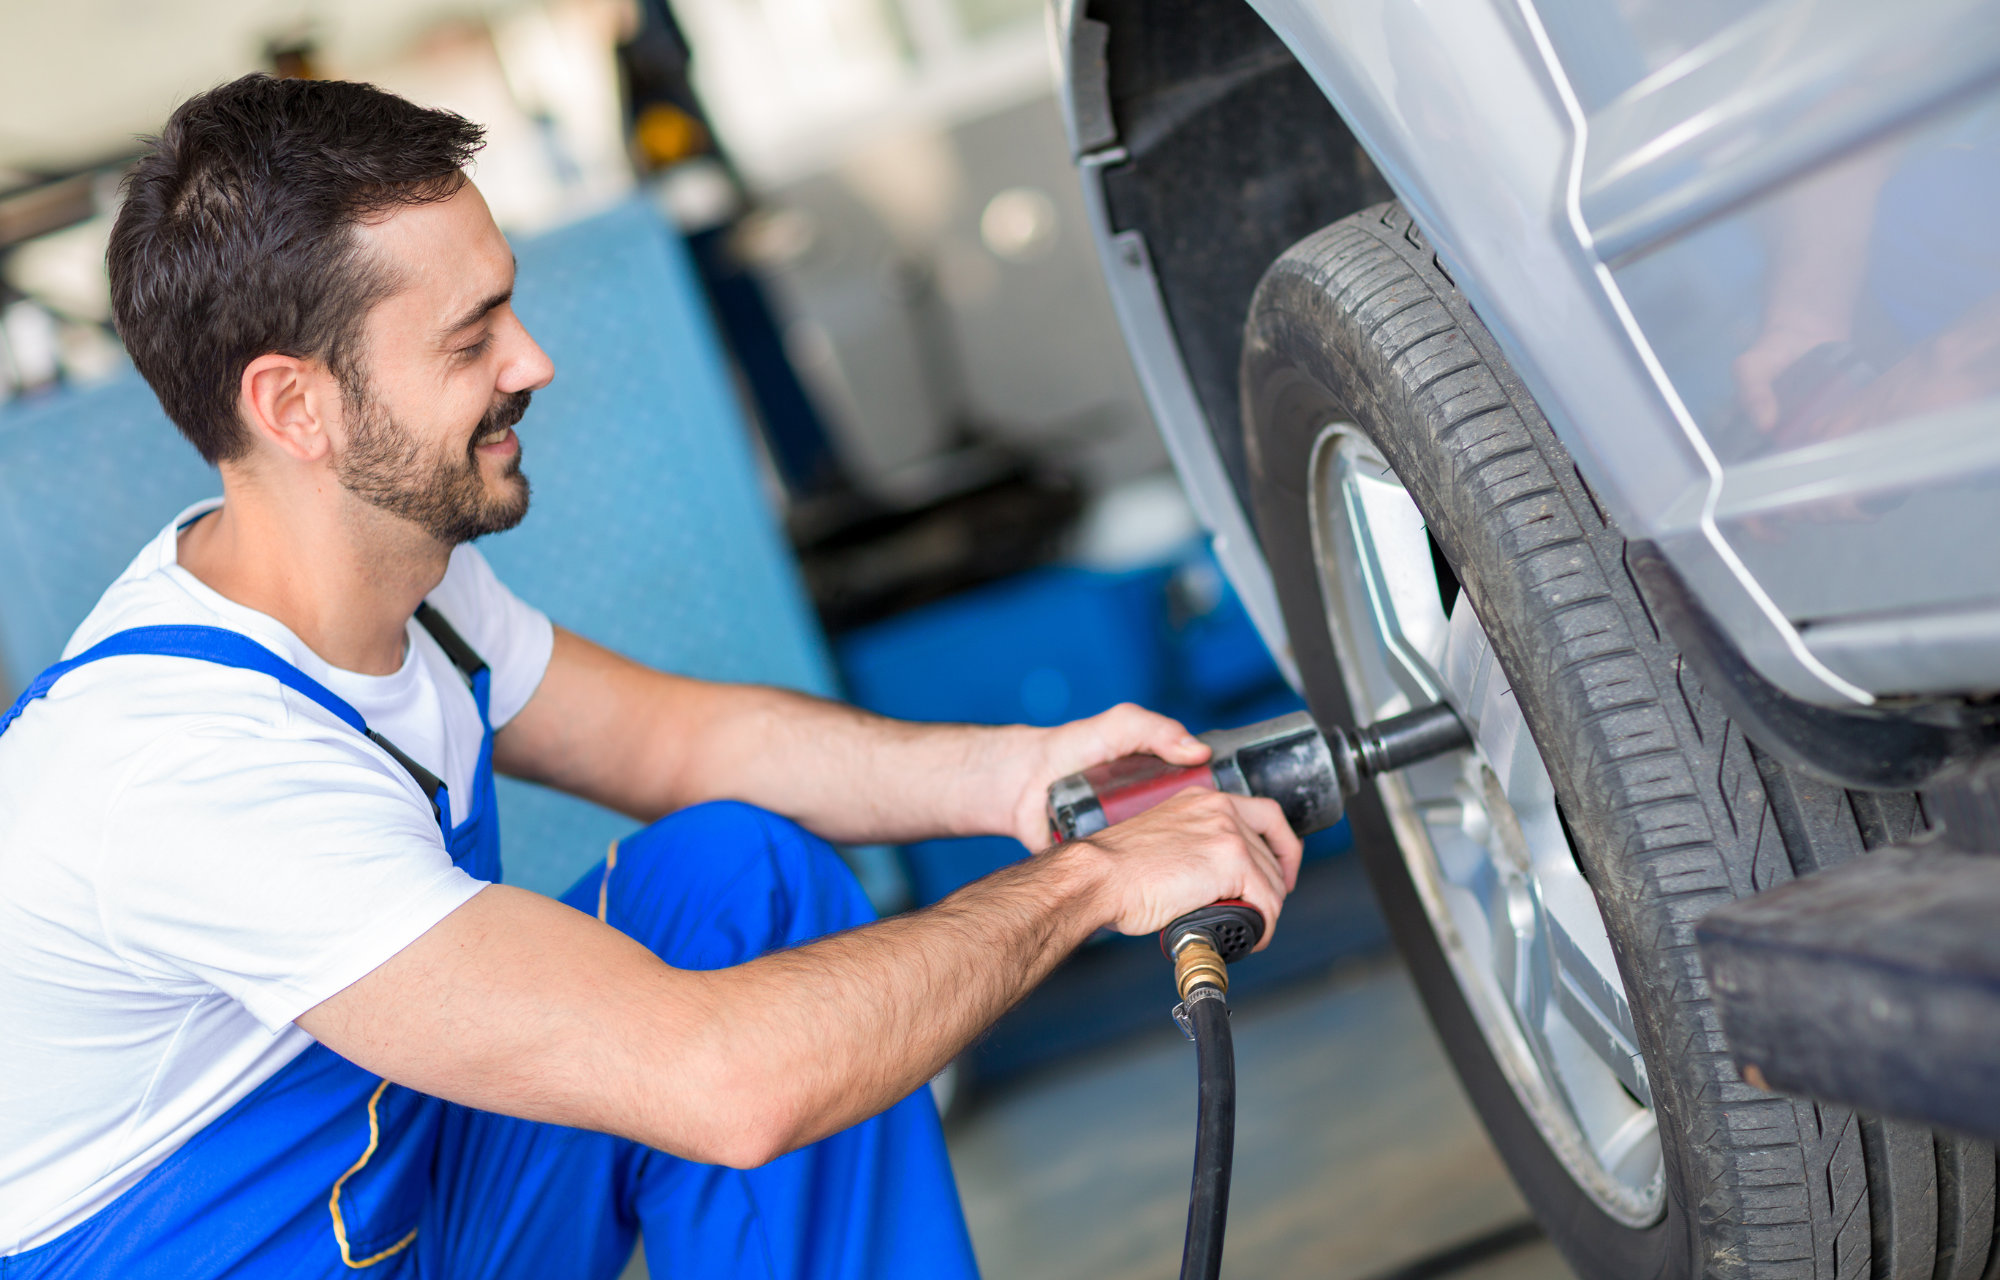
[(1215, 1133)]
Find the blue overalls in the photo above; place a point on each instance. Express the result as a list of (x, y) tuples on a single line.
[(327, 1170)]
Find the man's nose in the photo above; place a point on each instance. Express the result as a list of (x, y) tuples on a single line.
[(528, 367)]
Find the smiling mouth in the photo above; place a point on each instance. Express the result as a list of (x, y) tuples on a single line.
[(499, 421)]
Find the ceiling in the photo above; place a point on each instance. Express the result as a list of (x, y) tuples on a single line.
[(79, 79)]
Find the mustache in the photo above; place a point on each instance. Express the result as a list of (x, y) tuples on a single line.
[(505, 413)]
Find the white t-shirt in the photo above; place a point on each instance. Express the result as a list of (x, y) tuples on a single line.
[(192, 855)]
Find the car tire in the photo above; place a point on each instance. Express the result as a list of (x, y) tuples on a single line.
[(1668, 811)]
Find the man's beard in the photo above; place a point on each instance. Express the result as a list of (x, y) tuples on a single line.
[(384, 466)]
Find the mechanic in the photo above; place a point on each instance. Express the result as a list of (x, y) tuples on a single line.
[(269, 1010)]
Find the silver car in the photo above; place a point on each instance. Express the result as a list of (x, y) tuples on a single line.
[(1629, 375)]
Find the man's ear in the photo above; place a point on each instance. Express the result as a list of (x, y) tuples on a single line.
[(290, 404)]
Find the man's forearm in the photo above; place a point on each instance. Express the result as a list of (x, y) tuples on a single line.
[(806, 1042), (803, 1043), (646, 743), (517, 1004), (848, 774)]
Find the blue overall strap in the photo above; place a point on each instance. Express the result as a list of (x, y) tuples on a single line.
[(230, 649)]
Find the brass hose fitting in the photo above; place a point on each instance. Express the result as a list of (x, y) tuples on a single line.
[(1196, 961)]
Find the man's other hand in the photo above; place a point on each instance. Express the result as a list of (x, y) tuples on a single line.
[(1195, 848), (1043, 755)]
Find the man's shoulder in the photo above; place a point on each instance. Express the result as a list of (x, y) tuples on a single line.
[(104, 715), (182, 743)]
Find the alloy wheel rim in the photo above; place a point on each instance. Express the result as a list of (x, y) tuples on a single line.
[(1484, 839)]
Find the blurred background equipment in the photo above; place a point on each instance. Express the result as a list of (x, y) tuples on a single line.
[(841, 404)]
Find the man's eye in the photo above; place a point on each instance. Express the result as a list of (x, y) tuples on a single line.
[(476, 350)]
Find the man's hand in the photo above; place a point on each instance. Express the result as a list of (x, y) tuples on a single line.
[(1037, 757), (1195, 848)]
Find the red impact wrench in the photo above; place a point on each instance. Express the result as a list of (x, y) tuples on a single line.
[(1310, 774)]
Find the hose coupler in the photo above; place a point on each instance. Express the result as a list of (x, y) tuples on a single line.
[(1197, 962)]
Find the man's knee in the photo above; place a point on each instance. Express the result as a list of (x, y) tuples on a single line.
[(725, 882)]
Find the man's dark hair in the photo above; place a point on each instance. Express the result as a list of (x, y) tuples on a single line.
[(237, 234)]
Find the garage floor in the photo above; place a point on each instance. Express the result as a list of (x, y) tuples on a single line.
[(1356, 1153)]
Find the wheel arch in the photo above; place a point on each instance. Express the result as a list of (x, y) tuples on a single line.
[(1227, 153)]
